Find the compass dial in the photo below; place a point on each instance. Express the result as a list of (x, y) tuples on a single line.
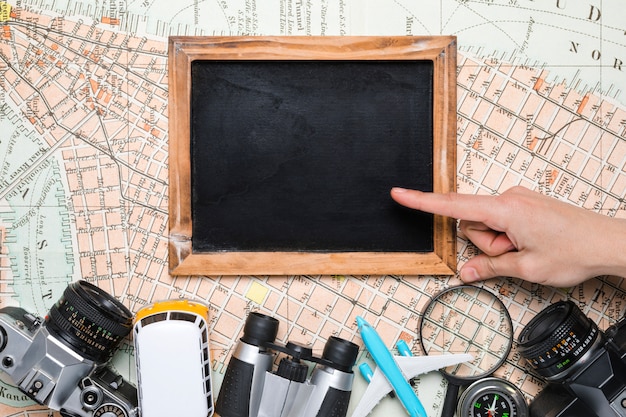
[(493, 404), (492, 397)]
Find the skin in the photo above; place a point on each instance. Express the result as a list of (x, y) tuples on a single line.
[(527, 235)]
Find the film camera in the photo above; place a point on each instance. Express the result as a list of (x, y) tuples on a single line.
[(585, 368), (251, 389), (61, 361)]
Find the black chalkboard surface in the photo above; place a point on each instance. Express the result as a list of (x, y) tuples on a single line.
[(301, 155), (283, 150)]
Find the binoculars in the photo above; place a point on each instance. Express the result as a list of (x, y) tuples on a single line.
[(252, 389)]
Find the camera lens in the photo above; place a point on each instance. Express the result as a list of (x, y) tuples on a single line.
[(556, 339), (89, 320), (341, 353), (259, 329)]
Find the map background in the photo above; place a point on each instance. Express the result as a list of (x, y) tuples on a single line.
[(83, 174)]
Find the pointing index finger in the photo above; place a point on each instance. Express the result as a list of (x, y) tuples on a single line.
[(478, 208)]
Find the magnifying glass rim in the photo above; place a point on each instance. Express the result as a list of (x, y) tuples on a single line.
[(463, 379)]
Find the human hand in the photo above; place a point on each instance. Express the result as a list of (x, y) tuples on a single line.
[(527, 235)]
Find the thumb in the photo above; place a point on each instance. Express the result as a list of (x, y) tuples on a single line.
[(482, 267)]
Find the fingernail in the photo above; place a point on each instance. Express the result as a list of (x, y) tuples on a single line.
[(398, 190), (469, 274)]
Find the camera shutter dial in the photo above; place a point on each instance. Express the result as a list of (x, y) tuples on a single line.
[(109, 410)]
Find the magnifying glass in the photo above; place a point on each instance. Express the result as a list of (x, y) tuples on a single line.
[(466, 319)]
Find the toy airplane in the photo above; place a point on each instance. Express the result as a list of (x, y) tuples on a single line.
[(393, 372)]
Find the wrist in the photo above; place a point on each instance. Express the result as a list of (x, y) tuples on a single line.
[(610, 252)]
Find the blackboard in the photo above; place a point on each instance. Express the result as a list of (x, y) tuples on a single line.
[(292, 157)]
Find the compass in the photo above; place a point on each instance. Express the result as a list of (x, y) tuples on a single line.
[(492, 397)]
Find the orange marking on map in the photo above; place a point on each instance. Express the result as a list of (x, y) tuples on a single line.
[(155, 132), (146, 127), (504, 292), (555, 173), (406, 337), (54, 46), (582, 104), (533, 143), (6, 33), (94, 85), (538, 84), (110, 21)]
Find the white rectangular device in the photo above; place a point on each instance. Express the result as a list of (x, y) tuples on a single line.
[(173, 359)]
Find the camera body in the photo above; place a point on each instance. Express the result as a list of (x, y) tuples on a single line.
[(61, 361), (584, 367), (251, 389)]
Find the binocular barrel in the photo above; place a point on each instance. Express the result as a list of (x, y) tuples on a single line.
[(240, 394)]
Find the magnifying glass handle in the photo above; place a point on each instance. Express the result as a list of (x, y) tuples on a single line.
[(450, 401)]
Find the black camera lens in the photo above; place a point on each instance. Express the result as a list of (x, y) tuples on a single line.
[(259, 329), (340, 353), (89, 320), (554, 340)]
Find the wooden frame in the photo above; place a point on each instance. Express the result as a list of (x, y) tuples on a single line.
[(183, 51)]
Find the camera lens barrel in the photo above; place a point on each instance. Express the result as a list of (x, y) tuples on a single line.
[(89, 320), (555, 340)]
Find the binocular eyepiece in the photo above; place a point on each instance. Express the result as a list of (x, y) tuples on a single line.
[(249, 378), (259, 329)]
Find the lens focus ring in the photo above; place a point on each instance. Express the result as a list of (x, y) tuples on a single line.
[(103, 310), (89, 320), (556, 338)]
